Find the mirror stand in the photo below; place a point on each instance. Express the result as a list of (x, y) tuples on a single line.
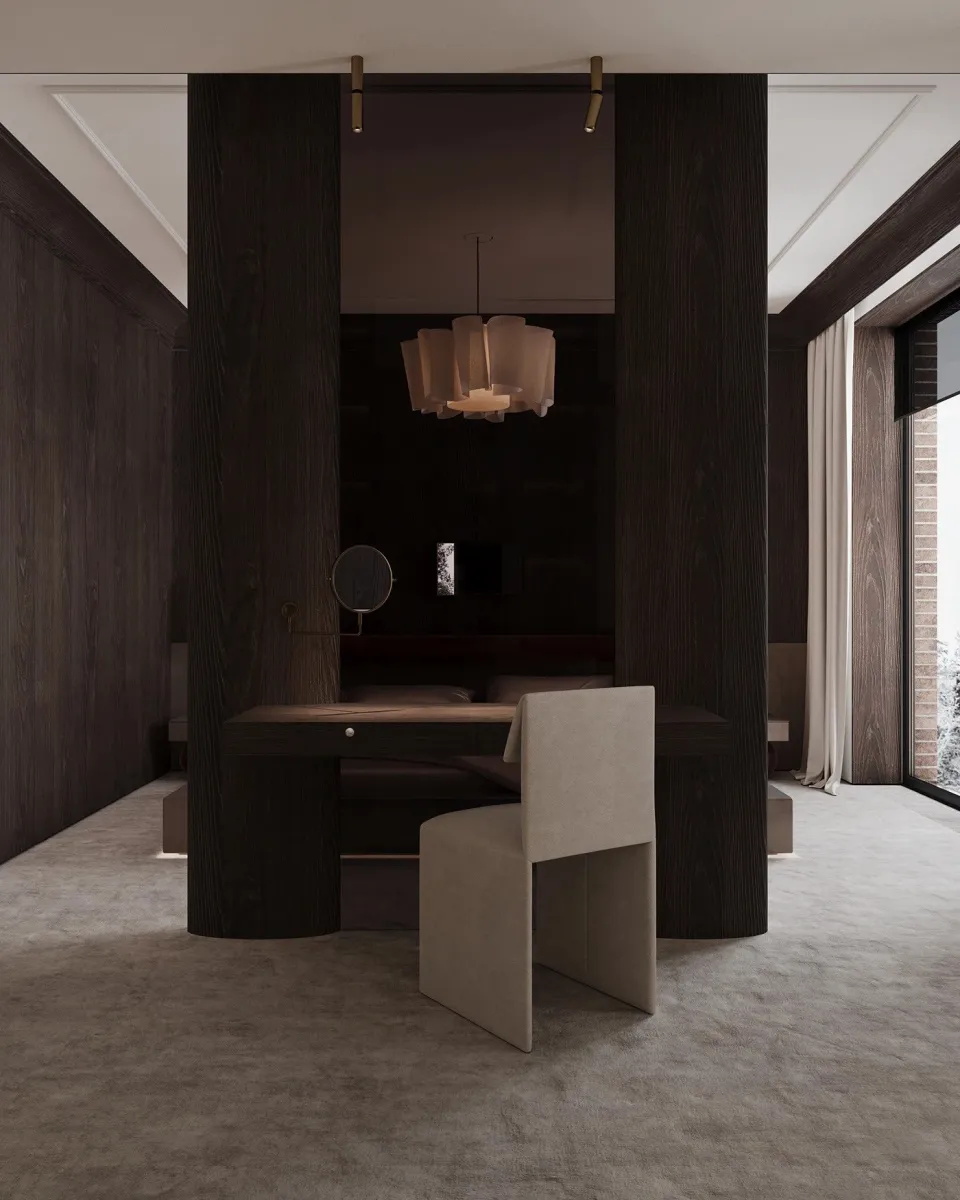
[(289, 613), (362, 580)]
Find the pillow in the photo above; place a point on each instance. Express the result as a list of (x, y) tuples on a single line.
[(507, 689), (407, 693)]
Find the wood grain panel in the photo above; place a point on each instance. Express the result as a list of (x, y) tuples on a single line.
[(691, 470), (264, 489), (914, 222), (84, 519), (786, 698), (876, 554), (180, 485), (787, 495), (918, 294), (32, 198)]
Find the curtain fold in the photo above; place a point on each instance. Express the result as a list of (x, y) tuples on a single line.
[(826, 739)]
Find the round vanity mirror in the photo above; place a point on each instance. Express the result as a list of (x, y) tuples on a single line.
[(362, 579)]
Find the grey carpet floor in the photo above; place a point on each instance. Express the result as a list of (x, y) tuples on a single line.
[(819, 1061)]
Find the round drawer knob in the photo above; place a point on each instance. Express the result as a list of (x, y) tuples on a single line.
[(349, 731)]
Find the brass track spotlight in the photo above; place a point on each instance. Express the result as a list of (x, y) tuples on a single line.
[(596, 93), (356, 93)]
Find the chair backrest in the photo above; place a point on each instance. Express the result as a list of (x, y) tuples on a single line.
[(586, 770)]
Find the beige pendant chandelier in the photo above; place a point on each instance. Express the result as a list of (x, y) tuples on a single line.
[(482, 370)]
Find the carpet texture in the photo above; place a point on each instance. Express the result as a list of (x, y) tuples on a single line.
[(822, 1060)]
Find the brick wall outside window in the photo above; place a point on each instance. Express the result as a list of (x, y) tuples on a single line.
[(925, 595)]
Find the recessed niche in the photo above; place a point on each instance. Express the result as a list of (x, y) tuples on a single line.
[(478, 569)]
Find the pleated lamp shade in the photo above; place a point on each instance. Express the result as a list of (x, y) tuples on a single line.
[(481, 370)]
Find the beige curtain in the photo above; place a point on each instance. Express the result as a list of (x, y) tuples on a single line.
[(826, 741)]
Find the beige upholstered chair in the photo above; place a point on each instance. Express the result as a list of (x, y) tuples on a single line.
[(586, 817)]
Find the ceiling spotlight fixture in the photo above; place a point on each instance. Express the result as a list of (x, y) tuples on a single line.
[(596, 93), (356, 93), (481, 370)]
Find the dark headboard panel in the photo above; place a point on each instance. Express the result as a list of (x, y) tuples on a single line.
[(471, 661), (409, 481)]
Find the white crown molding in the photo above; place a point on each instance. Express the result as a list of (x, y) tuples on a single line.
[(915, 94), (60, 94), (112, 89), (848, 89)]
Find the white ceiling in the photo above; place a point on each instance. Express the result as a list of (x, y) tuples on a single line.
[(842, 149), (496, 35), (143, 135)]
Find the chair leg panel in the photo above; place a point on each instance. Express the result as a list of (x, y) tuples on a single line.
[(596, 921), (476, 936)]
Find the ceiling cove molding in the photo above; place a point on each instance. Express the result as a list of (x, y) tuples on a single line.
[(39, 203), (61, 96), (116, 89), (917, 220), (849, 177), (850, 89)]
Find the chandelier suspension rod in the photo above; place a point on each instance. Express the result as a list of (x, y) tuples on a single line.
[(478, 274), (477, 239)]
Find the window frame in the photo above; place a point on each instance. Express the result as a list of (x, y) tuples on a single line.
[(908, 404), (907, 401)]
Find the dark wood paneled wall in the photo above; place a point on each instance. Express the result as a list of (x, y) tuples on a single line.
[(179, 449), (264, 168), (787, 494), (788, 533), (691, 597), (876, 556), (43, 207), (543, 485), (84, 510)]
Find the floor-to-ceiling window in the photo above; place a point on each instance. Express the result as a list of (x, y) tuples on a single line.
[(928, 365)]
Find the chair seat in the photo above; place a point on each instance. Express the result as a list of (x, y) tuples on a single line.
[(493, 828)]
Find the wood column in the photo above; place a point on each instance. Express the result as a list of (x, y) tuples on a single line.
[(264, 164), (179, 444), (876, 577), (691, 521), (787, 534), (787, 494)]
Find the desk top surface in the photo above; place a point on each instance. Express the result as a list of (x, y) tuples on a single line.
[(422, 714), (418, 714), (383, 729)]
